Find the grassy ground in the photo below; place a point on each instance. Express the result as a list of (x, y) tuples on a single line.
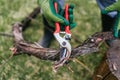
[(25, 67)]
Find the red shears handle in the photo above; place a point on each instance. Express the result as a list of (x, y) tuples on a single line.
[(57, 25), (67, 28)]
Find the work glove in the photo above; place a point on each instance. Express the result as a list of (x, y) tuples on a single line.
[(114, 7), (48, 10), (72, 24)]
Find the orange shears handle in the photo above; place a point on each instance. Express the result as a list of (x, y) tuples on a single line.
[(57, 25), (67, 28)]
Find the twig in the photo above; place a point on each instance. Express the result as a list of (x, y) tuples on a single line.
[(6, 34), (82, 64), (25, 22), (6, 61), (69, 68)]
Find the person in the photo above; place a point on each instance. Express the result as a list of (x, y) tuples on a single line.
[(108, 19), (110, 15), (48, 21)]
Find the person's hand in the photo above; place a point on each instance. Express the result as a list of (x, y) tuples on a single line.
[(47, 7), (114, 7), (72, 24), (48, 10)]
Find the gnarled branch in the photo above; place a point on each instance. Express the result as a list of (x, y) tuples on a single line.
[(89, 46)]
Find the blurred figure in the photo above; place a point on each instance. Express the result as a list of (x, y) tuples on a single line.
[(108, 19)]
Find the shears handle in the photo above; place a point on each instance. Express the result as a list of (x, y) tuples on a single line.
[(67, 28), (57, 25)]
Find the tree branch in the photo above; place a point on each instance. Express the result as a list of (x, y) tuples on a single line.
[(89, 46), (25, 22)]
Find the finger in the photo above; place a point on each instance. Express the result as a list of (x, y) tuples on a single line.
[(71, 18), (71, 6), (70, 11), (72, 25)]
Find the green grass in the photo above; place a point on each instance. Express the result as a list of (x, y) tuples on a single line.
[(25, 67)]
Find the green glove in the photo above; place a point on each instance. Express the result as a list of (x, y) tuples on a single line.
[(47, 7), (70, 11), (72, 24), (116, 28)]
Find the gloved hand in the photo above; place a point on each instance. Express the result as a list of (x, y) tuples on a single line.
[(72, 24), (47, 7), (114, 7)]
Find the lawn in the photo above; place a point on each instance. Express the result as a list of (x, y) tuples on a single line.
[(26, 67)]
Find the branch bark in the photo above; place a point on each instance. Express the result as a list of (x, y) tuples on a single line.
[(113, 58), (103, 71), (109, 68)]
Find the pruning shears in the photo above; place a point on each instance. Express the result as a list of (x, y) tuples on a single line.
[(65, 46)]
